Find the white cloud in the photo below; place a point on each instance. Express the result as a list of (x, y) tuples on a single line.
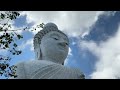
[(69, 55), (70, 52), (24, 44), (108, 53), (99, 13), (74, 23), (92, 46)]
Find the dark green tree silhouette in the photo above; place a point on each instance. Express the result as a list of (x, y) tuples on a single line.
[(7, 41)]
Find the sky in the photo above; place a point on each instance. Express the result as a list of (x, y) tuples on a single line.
[(94, 39)]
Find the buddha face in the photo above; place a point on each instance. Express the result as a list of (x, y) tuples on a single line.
[(54, 47)]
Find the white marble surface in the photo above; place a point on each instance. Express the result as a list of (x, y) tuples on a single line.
[(46, 70)]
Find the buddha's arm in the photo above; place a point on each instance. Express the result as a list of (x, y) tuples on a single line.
[(81, 75)]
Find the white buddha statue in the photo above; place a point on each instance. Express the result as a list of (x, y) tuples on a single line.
[(51, 49)]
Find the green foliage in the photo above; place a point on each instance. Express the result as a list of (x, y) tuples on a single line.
[(6, 69), (2, 16), (7, 40), (10, 15), (19, 36)]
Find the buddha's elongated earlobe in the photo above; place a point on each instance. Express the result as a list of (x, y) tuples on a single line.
[(37, 54), (37, 49), (40, 55)]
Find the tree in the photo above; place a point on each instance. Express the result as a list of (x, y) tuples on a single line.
[(7, 37)]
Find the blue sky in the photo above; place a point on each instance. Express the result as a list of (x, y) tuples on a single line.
[(94, 39)]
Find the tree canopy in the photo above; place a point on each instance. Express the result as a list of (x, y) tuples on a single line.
[(7, 36)]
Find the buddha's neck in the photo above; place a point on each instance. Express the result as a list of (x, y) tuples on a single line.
[(52, 60)]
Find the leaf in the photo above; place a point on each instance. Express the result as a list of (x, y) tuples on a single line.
[(2, 16), (6, 45), (13, 53), (41, 25), (19, 36), (15, 45), (3, 66), (16, 13), (1, 29), (20, 52), (9, 42), (12, 34), (7, 34), (1, 58), (9, 26)]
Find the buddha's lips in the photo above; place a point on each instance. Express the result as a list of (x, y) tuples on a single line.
[(62, 47), (62, 44)]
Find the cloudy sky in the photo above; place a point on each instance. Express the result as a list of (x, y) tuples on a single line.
[(94, 39)]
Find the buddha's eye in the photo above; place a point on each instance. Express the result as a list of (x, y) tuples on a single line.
[(55, 38), (66, 43)]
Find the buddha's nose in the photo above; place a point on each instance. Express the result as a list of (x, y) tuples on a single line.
[(64, 44)]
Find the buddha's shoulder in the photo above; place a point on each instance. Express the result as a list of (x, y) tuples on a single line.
[(26, 68), (33, 64)]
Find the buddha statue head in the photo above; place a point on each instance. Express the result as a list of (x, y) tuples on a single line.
[(51, 44)]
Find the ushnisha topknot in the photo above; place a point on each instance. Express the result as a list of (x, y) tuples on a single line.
[(46, 29)]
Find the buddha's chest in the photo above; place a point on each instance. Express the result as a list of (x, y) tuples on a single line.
[(54, 72)]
